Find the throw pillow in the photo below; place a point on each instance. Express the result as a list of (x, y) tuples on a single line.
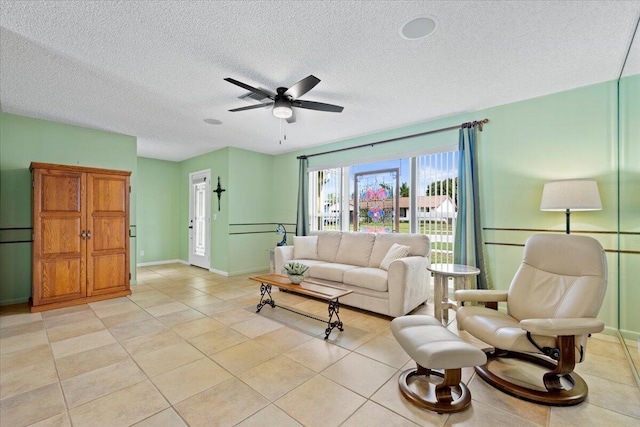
[(305, 247), (395, 252)]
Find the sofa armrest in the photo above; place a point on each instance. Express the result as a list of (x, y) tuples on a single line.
[(408, 284), (562, 327), (481, 295), (283, 254)]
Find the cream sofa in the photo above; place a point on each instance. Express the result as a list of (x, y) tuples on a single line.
[(352, 260)]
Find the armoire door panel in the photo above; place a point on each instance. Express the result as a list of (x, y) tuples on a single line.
[(108, 221), (108, 233), (61, 236), (61, 280), (113, 191), (61, 192), (108, 274)]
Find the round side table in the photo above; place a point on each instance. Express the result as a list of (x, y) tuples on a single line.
[(461, 275)]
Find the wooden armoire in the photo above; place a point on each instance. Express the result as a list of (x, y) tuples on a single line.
[(80, 235)]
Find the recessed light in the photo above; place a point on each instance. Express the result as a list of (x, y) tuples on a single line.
[(418, 28), (212, 121)]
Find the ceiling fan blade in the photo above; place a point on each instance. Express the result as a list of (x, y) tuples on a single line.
[(292, 119), (302, 87), (251, 107), (319, 106), (257, 96), (250, 88)]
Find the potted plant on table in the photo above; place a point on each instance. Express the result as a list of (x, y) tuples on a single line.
[(295, 271)]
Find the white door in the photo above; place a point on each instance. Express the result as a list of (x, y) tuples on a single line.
[(200, 218)]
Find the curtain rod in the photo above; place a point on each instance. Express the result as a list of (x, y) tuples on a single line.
[(371, 144)]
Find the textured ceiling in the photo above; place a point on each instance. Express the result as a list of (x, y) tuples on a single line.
[(155, 69)]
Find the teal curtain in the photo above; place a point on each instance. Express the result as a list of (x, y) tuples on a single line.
[(468, 245), (302, 220)]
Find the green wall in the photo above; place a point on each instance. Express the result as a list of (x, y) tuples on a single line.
[(630, 206), (218, 162), (251, 220), (24, 140), (158, 210), (241, 232), (565, 135)]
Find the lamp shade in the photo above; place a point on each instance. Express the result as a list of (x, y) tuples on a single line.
[(573, 194)]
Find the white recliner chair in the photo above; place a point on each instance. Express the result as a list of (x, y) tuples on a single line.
[(552, 304)]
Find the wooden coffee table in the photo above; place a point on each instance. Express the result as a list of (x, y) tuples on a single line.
[(328, 293)]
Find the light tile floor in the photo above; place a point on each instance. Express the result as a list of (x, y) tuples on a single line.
[(187, 348)]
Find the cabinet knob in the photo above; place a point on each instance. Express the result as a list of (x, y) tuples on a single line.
[(83, 234), (88, 234)]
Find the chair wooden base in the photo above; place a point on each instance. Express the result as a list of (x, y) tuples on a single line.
[(452, 395), (555, 395)]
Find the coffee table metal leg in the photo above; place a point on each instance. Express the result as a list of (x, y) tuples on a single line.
[(334, 309), (265, 289)]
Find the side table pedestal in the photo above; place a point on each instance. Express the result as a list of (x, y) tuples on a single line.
[(461, 275)]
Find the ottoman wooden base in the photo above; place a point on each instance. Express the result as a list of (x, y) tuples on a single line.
[(432, 346), (451, 395)]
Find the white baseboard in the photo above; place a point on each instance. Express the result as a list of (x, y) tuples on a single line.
[(212, 270), (220, 272), (251, 270), (170, 261), (632, 335)]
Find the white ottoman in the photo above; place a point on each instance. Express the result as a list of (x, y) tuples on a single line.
[(432, 346)]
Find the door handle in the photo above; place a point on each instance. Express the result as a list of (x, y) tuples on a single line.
[(191, 226)]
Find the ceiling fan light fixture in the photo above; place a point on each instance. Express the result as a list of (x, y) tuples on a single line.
[(282, 109)]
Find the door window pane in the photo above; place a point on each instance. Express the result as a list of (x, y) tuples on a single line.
[(199, 226)]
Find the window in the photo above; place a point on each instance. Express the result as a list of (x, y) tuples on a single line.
[(325, 199), (437, 202), (376, 196), (407, 195)]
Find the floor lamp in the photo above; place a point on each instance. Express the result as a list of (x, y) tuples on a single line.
[(571, 194)]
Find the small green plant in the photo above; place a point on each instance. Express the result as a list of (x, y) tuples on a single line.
[(295, 268)]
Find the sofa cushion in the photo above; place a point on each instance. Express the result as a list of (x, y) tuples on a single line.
[(329, 271), (395, 252), (369, 278), (305, 247), (355, 249), (328, 244), (418, 246)]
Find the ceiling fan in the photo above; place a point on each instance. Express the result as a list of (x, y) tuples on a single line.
[(286, 98)]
